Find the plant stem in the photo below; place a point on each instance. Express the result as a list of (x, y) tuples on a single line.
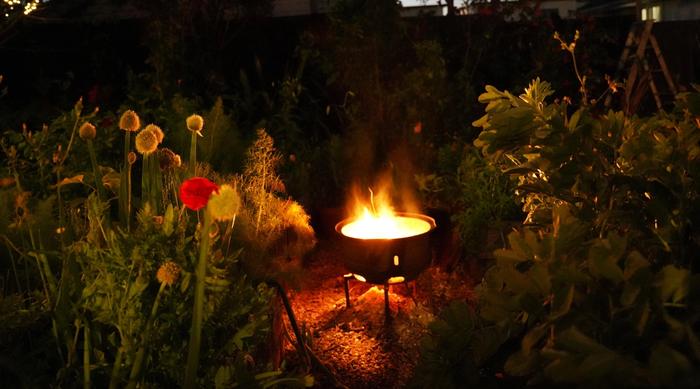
[(96, 171), (192, 167), (127, 148), (128, 197), (86, 356), (59, 204), (14, 270), (125, 185), (145, 182), (198, 310), (70, 141), (114, 380), (141, 352)]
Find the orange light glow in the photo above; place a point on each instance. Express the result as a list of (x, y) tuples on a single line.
[(382, 223)]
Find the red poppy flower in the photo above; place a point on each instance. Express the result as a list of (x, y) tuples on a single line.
[(195, 192)]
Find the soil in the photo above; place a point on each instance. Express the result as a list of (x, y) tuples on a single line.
[(357, 344)]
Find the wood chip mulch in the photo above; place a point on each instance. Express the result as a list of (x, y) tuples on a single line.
[(359, 347)]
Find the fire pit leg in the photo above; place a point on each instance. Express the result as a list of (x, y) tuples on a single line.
[(346, 284), (387, 310)]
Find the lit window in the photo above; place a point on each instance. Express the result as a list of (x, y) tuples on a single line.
[(653, 13)]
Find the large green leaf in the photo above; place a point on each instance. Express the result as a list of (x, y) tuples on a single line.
[(539, 274), (602, 262), (516, 281), (561, 304), (569, 232), (533, 337), (596, 366), (667, 364), (635, 261), (519, 364), (576, 341), (673, 283)]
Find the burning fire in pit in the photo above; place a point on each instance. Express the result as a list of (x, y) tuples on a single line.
[(385, 225), (381, 246), (382, 222)]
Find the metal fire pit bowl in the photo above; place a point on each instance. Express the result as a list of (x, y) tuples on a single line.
[(387, 261)]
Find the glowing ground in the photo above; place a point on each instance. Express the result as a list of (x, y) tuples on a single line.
[(356, 344)]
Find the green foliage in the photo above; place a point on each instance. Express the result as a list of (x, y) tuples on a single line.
[(458, 345), (619, 174), (597, 288), (119, 300), (477, 195), (276, 229)]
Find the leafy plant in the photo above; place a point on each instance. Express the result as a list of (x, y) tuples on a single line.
[(276, 229), (477, 195), (121, 300), (597, 289)]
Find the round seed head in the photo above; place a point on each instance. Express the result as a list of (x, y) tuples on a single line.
[(87, 131), (157, 131), (130, 121), (195, 123), (146, 142), (168, 273)]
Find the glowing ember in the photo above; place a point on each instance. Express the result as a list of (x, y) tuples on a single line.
[(384, 225)]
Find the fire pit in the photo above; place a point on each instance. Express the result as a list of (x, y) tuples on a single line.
[(385, 248)]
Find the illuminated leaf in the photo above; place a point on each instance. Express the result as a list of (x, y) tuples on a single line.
[(629, 294), (634, 262), (603, 263), (77, 179), (246, 331), (539, 274), (642, 317), (562, 302), (673, 283)]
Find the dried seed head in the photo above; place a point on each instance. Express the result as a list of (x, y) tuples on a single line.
[(146, 142), (195, 123), (130, 121), (156, 131), (167, 159), (87, 131), (168, 273)]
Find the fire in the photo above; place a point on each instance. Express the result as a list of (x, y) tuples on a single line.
[(382, 222)]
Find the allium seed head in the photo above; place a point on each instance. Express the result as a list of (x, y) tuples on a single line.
[(146, 142), (195, 123), (157, 131), (130, 121), (87, 131), (167, 159), (168, 273)]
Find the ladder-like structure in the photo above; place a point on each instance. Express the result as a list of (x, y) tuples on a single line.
[(643, 66)]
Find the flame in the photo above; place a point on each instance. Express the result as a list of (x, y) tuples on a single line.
[(381, 222)]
